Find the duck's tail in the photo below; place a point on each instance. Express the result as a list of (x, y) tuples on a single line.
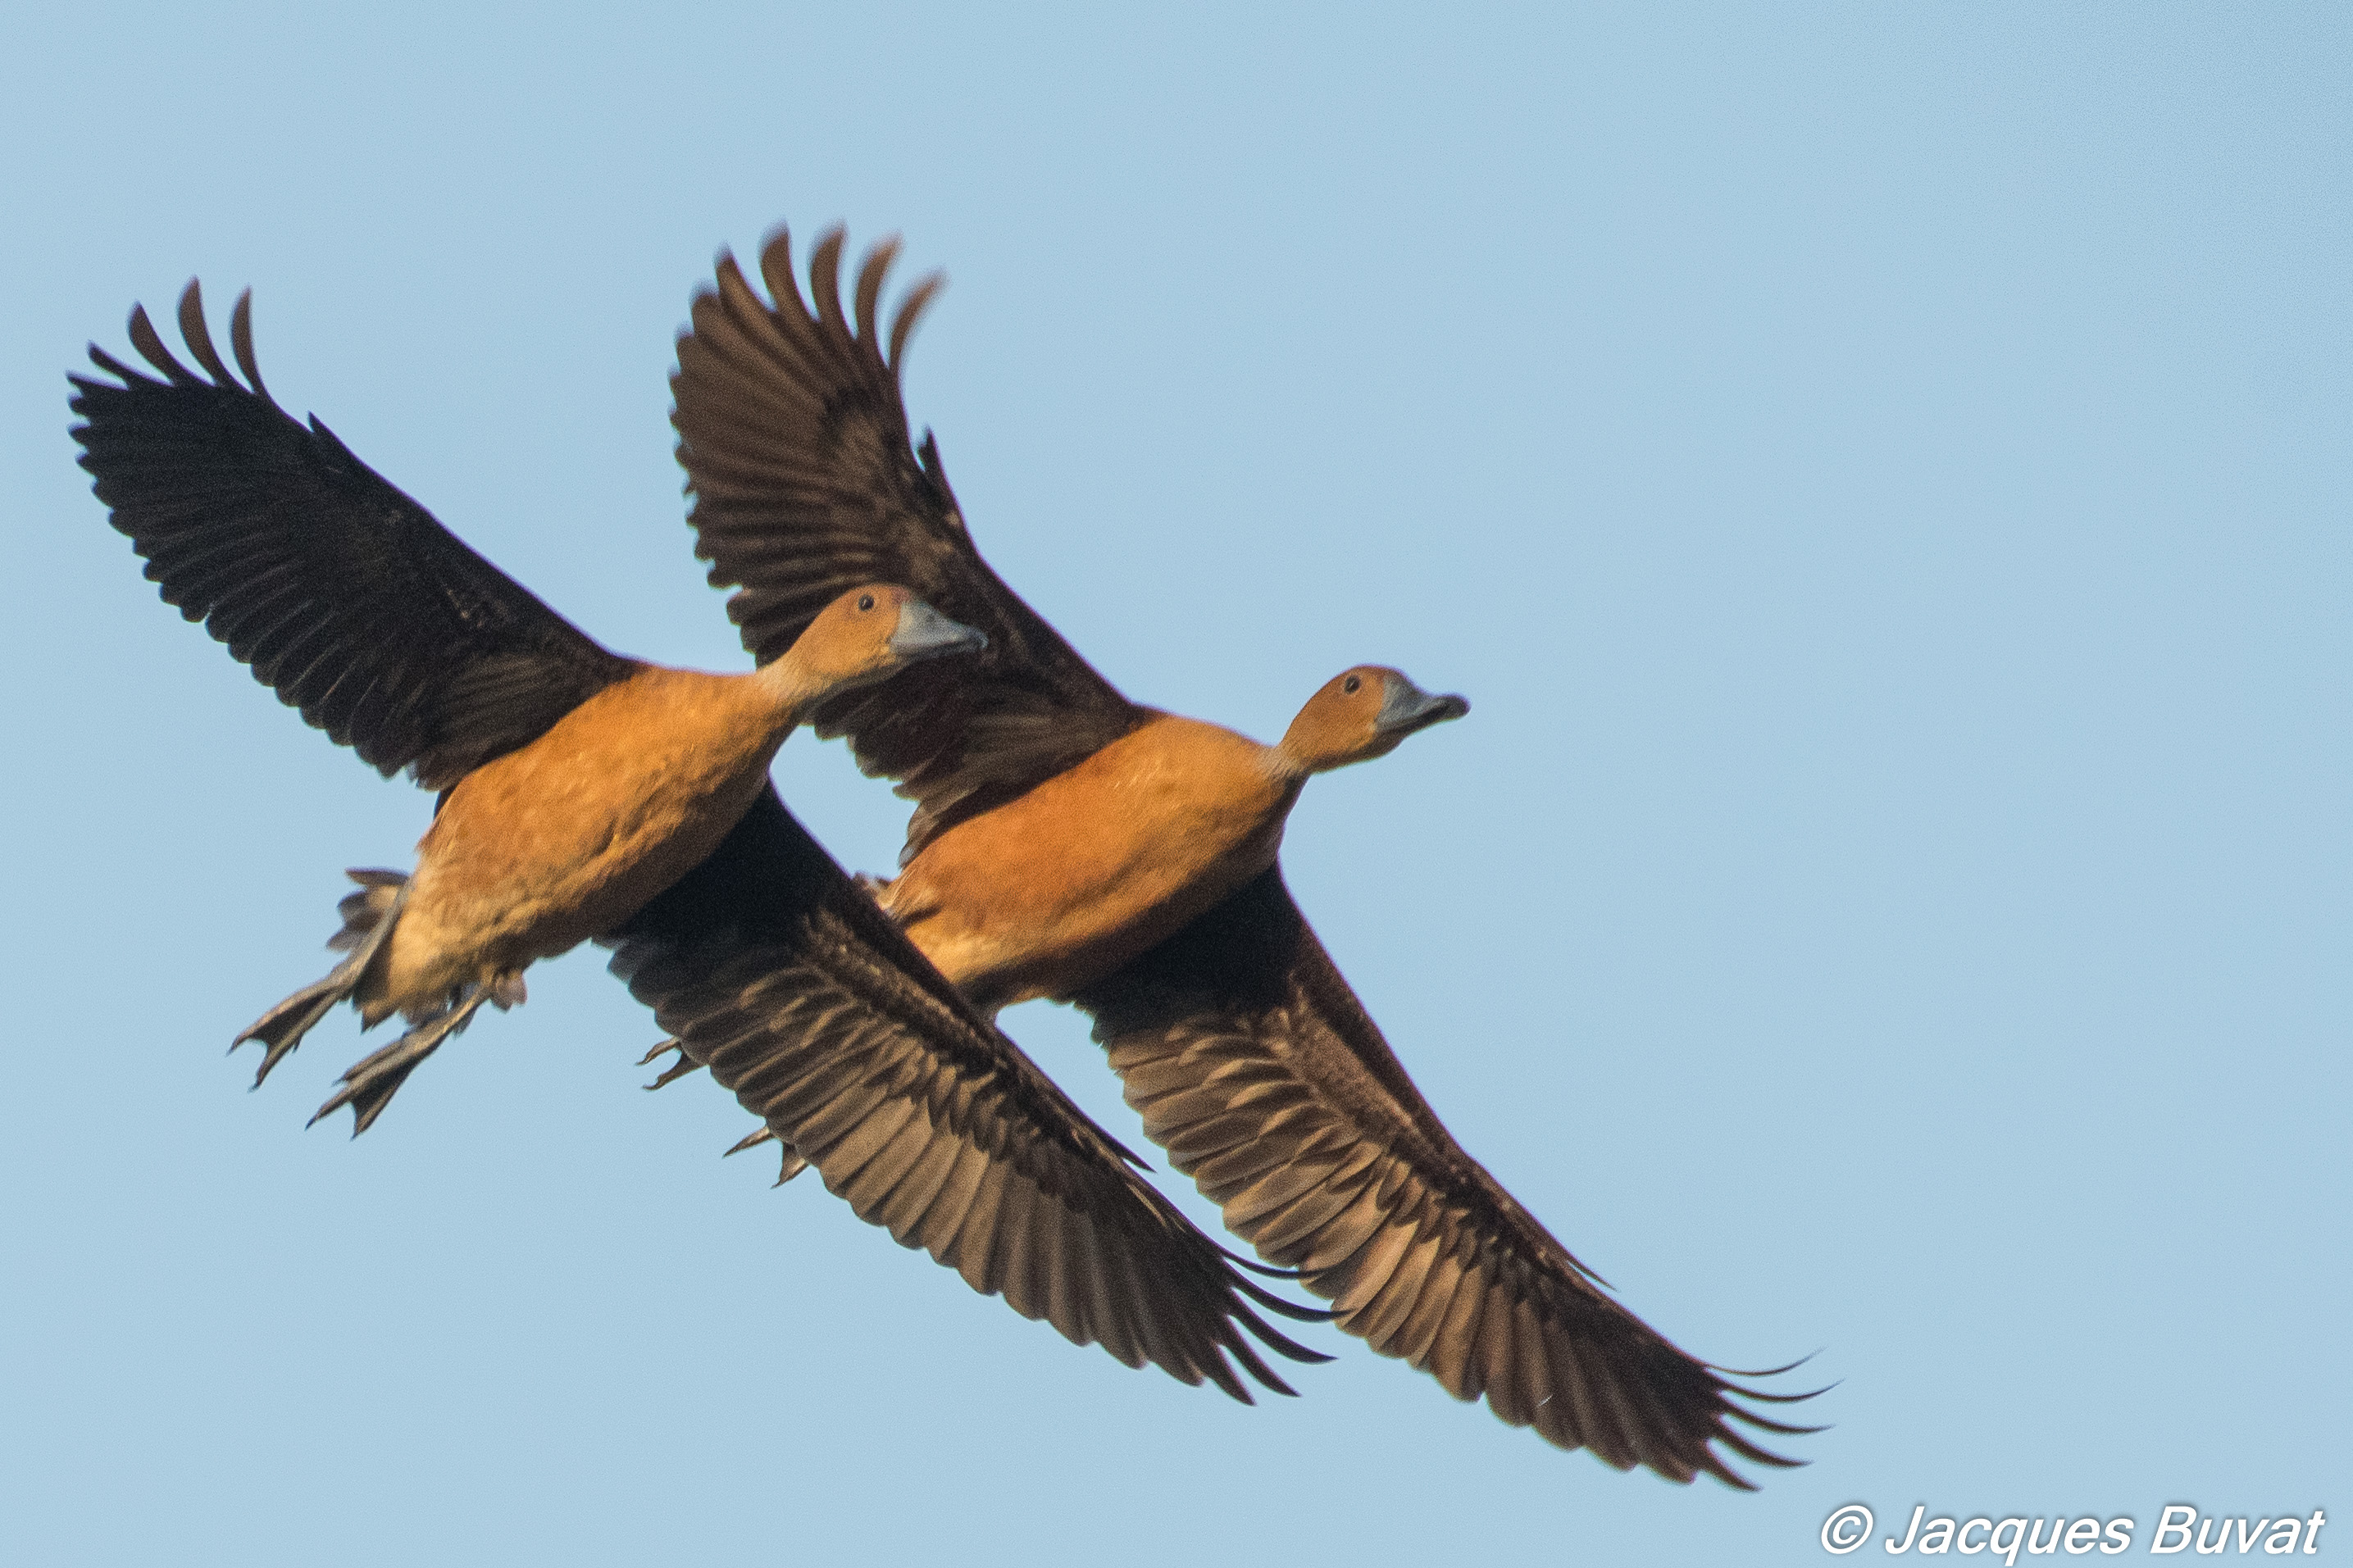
[(369, 916)]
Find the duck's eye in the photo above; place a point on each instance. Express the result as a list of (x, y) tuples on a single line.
[(865, 601), (1351, 684)]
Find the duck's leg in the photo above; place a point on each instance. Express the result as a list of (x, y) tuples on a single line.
[(794, 1165), (677, 1069), (369, 916), (376, 1078)]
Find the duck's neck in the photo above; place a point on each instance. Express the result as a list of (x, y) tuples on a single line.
[(1295, 760), (789, 690)]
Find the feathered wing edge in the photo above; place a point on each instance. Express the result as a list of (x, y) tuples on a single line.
[(794, 434), (769, 966), (1252, 1063), (340, 591)]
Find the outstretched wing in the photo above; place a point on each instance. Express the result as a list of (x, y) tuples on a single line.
[(795, 441), (1255, 1067), (344, 597), (773, 970)]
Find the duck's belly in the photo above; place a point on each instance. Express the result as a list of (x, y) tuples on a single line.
[(563, 840), (1061, 887)]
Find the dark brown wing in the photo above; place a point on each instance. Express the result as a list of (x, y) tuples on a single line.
[(794, 442), (1253, 1064), (344, 597), (773, 970)]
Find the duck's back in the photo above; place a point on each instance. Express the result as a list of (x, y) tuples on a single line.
[(1090, 868)]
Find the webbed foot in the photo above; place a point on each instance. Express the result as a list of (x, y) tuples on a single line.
[(369, 916), (374, 1078), (794, 1165), (677, 1069)]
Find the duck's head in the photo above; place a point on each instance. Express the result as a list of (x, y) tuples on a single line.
[(1361, 713), (870, 634)]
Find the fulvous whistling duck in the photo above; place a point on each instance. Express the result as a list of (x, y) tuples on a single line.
[(586, 795), (1070, 844)]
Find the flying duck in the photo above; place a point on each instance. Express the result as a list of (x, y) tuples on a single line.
[(1069, 843), (586, 795)]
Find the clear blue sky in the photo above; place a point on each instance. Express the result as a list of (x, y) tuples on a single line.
[(1881, 473)]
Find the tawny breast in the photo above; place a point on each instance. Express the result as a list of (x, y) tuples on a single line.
[(559, 842)]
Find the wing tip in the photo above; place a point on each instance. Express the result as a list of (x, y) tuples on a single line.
[(196, 333)]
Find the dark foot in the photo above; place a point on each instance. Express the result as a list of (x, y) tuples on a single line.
[(369, 916), (677, 1069), (794, 1165), (374, 1078)]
